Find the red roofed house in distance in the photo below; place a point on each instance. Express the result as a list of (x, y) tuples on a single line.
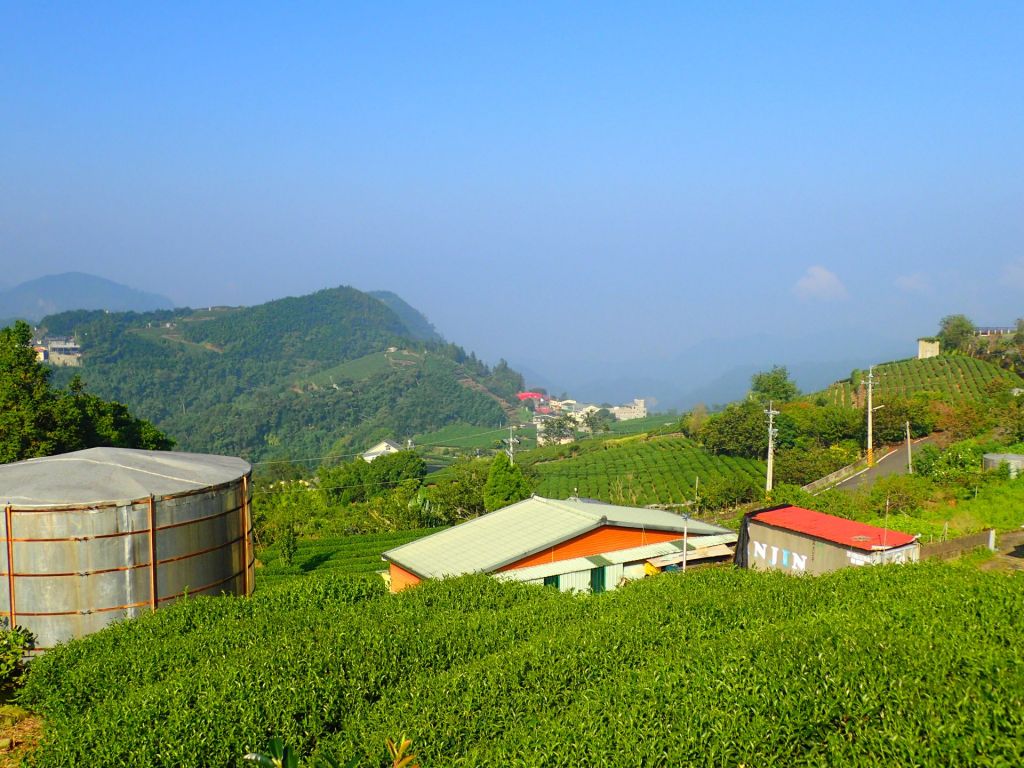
[(798, 540)]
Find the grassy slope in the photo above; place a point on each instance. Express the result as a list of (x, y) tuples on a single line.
[(997, 505), (719, 667)]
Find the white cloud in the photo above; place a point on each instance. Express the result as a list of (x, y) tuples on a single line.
[(915, 283), (819, 283), (1013, 274)]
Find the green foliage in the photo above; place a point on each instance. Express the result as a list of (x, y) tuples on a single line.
[(739, 430), (28, 422), (956, 333), (955, 464), (457, 493), (761, 669), (805, 463), (360, 480), (38, 420), (773, 386), (15, 642), (727, 492), (559, 428), (505, 484)]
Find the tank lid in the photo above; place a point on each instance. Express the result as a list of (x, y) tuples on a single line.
[(106, 475)]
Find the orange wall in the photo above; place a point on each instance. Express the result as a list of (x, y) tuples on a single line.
[(401, 578), (606, 539)]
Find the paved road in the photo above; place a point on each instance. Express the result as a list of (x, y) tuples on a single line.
[(888, 461)]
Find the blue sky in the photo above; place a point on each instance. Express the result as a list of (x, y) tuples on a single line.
[(555, 183)]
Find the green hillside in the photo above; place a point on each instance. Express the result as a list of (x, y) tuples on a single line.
[(635, 470), (953, 377), (893, 665), (300, 376)]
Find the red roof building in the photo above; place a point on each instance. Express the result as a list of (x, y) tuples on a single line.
[(801, 540), (530, 396)]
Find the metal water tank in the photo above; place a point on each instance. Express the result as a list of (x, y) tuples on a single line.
[(104, 534)]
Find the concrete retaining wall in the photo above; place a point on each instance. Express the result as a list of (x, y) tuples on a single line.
[(943, 550)]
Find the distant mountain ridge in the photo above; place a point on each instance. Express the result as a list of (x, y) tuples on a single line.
[(333, 371), (34, 299)]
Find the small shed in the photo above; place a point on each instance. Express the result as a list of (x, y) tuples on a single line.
[(798, 540), (1015, 461), (572, 544)]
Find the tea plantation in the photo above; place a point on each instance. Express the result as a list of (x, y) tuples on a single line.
[(913, 665), (955, 377), (358, 554), (634, 470)]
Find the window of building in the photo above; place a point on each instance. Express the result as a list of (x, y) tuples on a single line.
[(597, 580), (552, 581)]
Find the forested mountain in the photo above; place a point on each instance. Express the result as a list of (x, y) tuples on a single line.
[(303, 376), (34, 299), (418, 325)]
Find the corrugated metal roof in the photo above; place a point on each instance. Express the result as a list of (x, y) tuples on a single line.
[(522, 529), (105, 475), (839, 530)]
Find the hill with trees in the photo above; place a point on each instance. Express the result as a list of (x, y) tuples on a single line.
[(329, 372)]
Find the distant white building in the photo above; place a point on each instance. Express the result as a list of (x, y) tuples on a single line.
[(382, 448), (927, 348), (636, 410)]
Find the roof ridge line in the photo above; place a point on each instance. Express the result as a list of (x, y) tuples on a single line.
[(560, 504)]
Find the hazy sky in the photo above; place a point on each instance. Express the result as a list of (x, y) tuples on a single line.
[(580, 180)]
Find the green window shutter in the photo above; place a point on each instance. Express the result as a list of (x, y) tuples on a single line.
[(597, 580), (551, 581)]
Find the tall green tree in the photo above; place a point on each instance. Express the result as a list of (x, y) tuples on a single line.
[(38, 420), (458, 493), (956, 333), (774, 385), (28, 418), (505, 484)]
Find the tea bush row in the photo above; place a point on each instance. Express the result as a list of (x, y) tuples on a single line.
[(915, 665)]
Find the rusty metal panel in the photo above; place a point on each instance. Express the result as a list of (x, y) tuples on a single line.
[(40, 524)]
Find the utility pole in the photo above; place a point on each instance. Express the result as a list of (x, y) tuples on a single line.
[(871, 443), (910, 454), (511, 446), (772, 432)]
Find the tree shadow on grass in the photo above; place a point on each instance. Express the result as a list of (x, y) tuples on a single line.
[(315, 561)]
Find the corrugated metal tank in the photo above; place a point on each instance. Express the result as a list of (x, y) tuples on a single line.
[(104, 534)]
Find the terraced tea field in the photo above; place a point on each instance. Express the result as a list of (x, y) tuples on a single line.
[(954, 377), (344, 555), (633, 470)]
